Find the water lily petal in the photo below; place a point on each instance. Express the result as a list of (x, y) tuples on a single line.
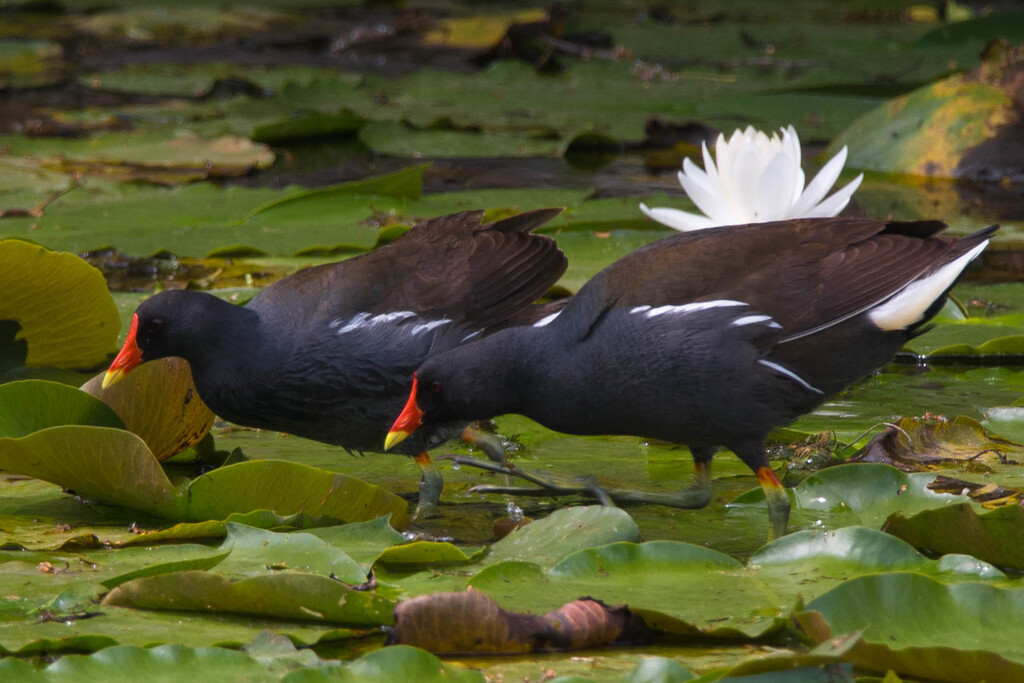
[(820, 184), (711, 170), (678, 220), (836, 202), (725, 154), (791, 146), (774, 189), (713, 205), (749, 165)]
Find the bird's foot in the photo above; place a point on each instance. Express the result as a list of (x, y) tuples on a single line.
[(692, 498)]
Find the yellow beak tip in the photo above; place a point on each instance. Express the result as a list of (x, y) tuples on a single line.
[(111, 378), (393, 439)]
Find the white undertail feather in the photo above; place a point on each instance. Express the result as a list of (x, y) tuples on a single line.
[(909, 304)]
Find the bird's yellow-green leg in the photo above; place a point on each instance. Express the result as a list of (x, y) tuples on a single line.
[(431, 485), (778, 502)]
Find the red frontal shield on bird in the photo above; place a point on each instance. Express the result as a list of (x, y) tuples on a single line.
[(129, 357), (408, 420)]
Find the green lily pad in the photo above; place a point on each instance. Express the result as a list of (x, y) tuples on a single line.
[(28, 637), (542, 543), (60, 302), (195, 79), (203, 219), (295, 596), (863, 494), (995, 536), (26, 188), (115, 466), (31, 405), (217, 529), (248, 551), (183, 25), (427, 552), (125, 664), (723, 599), (920, 627), (398, 139), (362, 541), (932, 131), (257, 551), (159, 157), (30, 63), (387, 665)]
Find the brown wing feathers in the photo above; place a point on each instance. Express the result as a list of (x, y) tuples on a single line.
[(804, 273)]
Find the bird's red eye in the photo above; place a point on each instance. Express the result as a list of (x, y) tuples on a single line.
[(435, 387), (154, 326)]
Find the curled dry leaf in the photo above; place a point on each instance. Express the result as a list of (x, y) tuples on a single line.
[(920, 444), (158, 402), (471, 621)]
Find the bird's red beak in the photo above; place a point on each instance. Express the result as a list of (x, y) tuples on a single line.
[(408, 420), (129, 357)]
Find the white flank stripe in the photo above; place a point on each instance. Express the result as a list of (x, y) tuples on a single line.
[(690, 308), (753, 319), (389, 317), (639, 309), (426, 327), (360, 320), (357, 321), (792, 375), (908, 305), (547, 319), (470, 336)]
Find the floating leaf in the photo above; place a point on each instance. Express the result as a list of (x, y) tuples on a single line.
[(186, 25), (427, 552), (296, 596), (31, 405), (957, 127), (995, 536), (26, 187), (193, 79), (159, 157), (159, 402), (544, 542), (39, 437), (862, 493), (134, 627), (61, 303), (30, 63), (399, 662), (479, 31), (921, 627), (397, 139), (918, 444), (723, 599), (362, 541), (287, 488)]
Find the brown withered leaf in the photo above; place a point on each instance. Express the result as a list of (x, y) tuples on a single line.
[(917, 444), (472, 622), (158, 402)]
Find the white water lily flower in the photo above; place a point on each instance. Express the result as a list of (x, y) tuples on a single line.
[(756, 179)]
